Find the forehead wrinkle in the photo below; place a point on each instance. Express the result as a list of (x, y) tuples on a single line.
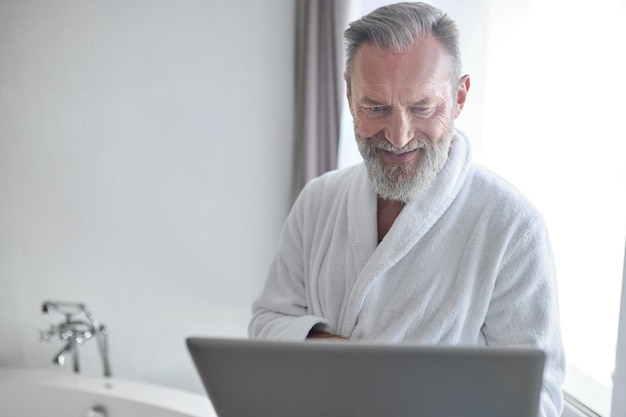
[(421, 71), (417, 94)]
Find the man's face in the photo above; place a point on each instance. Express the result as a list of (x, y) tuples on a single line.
[(404, 106)]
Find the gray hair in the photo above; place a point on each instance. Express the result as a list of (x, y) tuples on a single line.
[(396, 26)]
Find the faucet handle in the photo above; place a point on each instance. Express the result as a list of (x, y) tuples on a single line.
[(82, 337), (46, 335)]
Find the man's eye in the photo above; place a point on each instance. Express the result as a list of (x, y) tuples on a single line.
[(423, 111), (376, 109)]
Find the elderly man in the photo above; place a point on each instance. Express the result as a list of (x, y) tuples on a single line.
[(417, 244)]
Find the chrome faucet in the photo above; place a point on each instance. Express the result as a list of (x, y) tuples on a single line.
[(76, 332)]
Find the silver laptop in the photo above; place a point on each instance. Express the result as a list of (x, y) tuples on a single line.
[(246, 378)]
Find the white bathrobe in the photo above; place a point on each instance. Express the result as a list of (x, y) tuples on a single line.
[(468, 262)]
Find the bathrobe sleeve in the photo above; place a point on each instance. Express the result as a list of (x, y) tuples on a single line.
[(524, 308), (281, 311)]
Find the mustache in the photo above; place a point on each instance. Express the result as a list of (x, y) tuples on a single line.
[(380, 142)]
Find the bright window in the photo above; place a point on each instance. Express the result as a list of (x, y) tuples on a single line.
[(548, 103), (552, 127)]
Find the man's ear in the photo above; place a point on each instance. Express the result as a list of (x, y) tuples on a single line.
[(461, 95), (349, 96)]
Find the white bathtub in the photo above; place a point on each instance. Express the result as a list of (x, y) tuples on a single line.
[(42, 393)]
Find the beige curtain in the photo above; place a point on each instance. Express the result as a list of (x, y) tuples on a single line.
[(319, 86)]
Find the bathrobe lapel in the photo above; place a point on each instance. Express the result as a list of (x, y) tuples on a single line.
[(371, 262)]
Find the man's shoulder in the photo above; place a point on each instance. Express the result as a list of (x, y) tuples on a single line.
[(334, 181), (327, 193), (492, 192)]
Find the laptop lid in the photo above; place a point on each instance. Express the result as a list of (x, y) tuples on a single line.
[(245, 378)]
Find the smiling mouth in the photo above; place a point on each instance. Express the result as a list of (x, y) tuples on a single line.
[(400, 157), (403, 152)]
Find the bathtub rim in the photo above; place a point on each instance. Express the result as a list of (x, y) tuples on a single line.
[(172, 399)]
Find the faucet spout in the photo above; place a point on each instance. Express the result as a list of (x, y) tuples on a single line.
[(67, 350), (76, 332)]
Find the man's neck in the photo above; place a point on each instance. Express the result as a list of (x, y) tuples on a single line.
[(388, 211)]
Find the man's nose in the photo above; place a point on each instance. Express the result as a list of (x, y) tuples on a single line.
[(399, 131)]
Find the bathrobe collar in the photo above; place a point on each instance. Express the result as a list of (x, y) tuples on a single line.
[(415, 219)]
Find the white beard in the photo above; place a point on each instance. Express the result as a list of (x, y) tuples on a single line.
[(403, 182)]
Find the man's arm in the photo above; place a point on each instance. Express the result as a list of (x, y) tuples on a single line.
[(281, 311), (524, 309)]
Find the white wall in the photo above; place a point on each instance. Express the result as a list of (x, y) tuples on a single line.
[(145, 165)]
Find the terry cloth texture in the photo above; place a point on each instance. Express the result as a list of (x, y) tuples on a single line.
[(468, 262)]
